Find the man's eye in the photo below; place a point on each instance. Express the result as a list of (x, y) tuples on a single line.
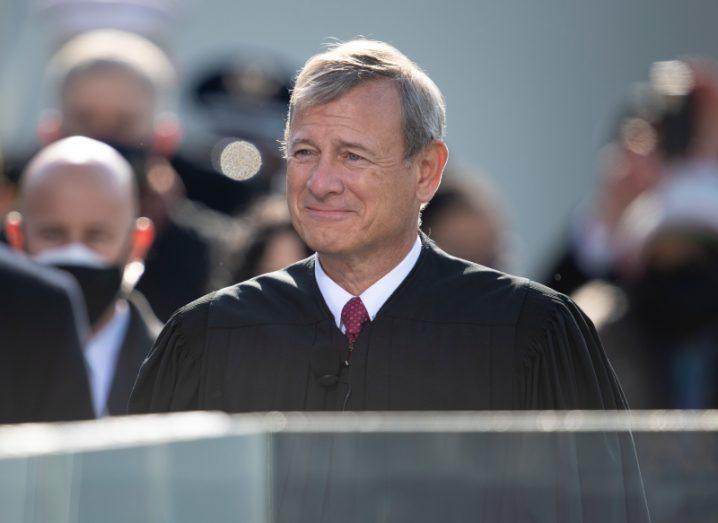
[(302, 153), (353, 157), (51, 235), (96, 237)]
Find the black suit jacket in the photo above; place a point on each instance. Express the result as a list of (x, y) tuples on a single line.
[(141, 334), (42, 369)]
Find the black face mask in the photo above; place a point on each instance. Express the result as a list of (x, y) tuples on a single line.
[(680, 302), (100, 287)]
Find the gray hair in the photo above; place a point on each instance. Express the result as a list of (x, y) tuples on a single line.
[(329, 75)]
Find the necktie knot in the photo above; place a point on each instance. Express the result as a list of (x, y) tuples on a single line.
[(354, 316)]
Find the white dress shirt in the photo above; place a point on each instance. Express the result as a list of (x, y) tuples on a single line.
[(375, 296), (101, 354)]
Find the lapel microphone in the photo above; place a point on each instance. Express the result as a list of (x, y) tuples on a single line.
[(326, 364)]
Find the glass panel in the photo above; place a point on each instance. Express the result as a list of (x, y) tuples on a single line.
[(209, 478), (364, 467)]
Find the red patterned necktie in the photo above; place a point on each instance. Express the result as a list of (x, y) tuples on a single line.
[(354, 316)]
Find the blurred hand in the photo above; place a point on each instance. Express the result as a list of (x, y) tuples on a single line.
[(628, 172), (705, 79)]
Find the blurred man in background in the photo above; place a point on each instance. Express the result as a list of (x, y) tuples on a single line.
[(79, 212), (7, 191), (465, 219), (660, 324), (42, 371), (112, 86), (651, 243), (241, 96), (669, 128)]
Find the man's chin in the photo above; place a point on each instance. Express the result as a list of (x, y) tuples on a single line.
[(327, 246), (327, 249)]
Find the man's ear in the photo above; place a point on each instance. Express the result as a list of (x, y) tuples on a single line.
[(142, 238), (13, 230), (167, 134), (432, 161), (49, 128)]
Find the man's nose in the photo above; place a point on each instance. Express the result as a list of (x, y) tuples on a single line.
[(325, 179)]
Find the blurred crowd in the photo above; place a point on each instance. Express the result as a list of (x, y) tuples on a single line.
[(641, 257), (113, 223)]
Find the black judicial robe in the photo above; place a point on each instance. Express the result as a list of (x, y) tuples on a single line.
[(453, 336)]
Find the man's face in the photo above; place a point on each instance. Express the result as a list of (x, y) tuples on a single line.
[(77, 207), (350, 191), (109, 105)]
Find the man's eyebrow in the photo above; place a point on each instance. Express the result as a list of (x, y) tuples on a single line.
[(355, 145), (341, 143), (301, 141), (44, 226)]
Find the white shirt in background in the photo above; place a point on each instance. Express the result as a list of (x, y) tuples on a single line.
[(101, 354)]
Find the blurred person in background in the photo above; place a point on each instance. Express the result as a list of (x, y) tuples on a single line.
[(113, 86), (42, 328), (669, 128), (465, 220), (274, 243), (79, 212), (7, 192), (648, 241), (660, 323), (238, 98)]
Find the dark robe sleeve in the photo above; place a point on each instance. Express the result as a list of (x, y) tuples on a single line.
[(169, 379), (573, 476), (562, 364)]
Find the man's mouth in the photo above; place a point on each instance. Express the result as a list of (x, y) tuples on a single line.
[(326, 213)]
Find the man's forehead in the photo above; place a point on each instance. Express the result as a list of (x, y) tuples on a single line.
[(360, 114), (102, 94), (60, 181), (380, 94), (120, 79)]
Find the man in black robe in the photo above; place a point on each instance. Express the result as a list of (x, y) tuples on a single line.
[(380, 318)]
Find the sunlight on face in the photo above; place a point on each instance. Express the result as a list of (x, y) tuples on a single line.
[(349, 189)]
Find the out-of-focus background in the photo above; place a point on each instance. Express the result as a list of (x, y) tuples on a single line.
[(532, 88)]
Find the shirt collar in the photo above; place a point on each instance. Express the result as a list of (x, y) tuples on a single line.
[(375, 296)]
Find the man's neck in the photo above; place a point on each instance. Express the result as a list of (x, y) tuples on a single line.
[(357, 273)]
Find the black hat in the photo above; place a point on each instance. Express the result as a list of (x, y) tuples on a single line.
[(246, 96)]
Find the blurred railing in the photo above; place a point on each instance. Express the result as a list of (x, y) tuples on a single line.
[(465, 466)]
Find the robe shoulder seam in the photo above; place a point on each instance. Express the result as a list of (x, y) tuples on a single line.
[(182, 317)]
